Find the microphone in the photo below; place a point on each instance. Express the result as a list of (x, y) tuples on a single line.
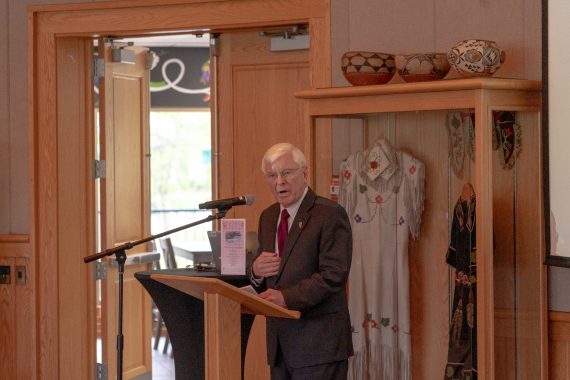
[(224, 204)]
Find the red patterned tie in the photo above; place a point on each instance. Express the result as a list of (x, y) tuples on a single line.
[(282, 230)]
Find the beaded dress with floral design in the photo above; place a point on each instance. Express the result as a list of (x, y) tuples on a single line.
[(382, 191), (462, 255)]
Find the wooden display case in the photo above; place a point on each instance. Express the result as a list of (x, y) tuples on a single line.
[(511, 278)]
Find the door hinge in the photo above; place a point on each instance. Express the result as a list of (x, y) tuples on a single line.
[(215, 44), (100, 271), (101, 371), (98, 67), (99, 170)]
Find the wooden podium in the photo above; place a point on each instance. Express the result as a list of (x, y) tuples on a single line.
[(226, 312)]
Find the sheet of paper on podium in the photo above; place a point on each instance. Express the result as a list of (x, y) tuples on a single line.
[(233, 246), (250, 289)]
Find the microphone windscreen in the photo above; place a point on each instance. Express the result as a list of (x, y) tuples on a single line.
[(249, 199)]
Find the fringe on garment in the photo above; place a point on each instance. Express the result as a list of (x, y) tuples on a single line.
[(380, 366)]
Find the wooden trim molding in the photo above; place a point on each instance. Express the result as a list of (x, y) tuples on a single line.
[(559, 344), (559, 326), (15, 245)]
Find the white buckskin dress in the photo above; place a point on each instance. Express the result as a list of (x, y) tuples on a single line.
[(382, 191)]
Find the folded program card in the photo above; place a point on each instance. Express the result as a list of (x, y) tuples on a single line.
[(233, 246)]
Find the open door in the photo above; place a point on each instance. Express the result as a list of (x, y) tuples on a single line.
[(125, 200)]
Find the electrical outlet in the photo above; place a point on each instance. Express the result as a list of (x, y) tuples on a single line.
[(4, 274), (20, 275)]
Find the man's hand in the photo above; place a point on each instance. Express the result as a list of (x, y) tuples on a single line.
[(266, 265), (274, 296)]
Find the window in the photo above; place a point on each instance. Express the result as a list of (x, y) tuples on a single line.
[(181, 175)]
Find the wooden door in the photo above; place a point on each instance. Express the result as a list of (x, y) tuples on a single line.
[(125, 202), (256, 109)]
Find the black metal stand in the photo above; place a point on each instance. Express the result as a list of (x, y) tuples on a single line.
[(121, 257)]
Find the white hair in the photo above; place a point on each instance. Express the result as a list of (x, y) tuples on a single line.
[(278, 150)]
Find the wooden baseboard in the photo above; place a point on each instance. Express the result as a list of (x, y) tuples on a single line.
[(559, 344)]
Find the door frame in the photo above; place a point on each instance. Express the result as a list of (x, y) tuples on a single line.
[(62, 323)]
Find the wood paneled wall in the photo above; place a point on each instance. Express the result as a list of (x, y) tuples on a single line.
[(14, 143), (415, 26)]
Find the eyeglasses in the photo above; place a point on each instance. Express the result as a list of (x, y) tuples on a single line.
[(286, 174)]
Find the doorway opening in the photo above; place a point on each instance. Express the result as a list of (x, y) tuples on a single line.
[(180, 135)]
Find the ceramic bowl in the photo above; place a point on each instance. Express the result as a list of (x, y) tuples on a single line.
[(367, 68), (476, 58), (422, 67)]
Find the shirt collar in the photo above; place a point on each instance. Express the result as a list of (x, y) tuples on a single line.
[(292, 210)]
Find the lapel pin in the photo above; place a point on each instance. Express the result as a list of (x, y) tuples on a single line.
[(300, 224)]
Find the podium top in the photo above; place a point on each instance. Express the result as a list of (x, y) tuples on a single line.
[(198, 286)]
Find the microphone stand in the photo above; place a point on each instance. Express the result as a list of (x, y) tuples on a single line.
[(121, 257)]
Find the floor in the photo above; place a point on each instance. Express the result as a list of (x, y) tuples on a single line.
[(162, 364)]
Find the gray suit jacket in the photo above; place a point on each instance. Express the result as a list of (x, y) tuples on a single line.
[(314, 269)]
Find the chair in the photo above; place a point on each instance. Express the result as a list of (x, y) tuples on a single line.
[(170, 263), (168, 252)]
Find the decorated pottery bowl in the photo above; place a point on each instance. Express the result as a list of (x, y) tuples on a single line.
[(366, 68), (422, 67), (476, 58)]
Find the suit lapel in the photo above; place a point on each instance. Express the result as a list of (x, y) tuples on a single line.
[(268, 239)]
